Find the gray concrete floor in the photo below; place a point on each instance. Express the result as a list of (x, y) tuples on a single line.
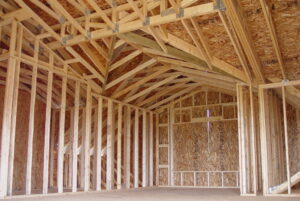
[(156, 194)]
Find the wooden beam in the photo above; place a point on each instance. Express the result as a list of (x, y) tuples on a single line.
[(58, 7), (130, 73), (233, 11), (39, 20), (47, 130), (14, 113), (127, 147), (87, 139), (151, 158), (75, 137), (263, 139), (31, 119), (93, 57), (119, 147), (109, 150), (98, 147), (286, 142), (86, 64), (136, 148), (149, 89), (139, 83), (218, 66), (61, 137), (124, 60), (198, 10), (145, 148)]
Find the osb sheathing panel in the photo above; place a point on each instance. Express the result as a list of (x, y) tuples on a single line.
[(229, 112), (196, 149), (293, 139), (163, 117), (163, 135), (286, 21), (199, 112), (163, 155), (187, 102), (225, 98), (216, 36), (177, 179), (186, 115), (230, 179), (213, 97), (200, 98), (230, 150), (201, 179), (163, 177), (188, 179), (21, 140), (261, 39), (286, 18)]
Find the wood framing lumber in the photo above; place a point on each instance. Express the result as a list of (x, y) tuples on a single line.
[(171, 144), (87, 139), (31, 119), (281, 188), (286, 142), (38, 19), (99, 145), (198, 10), (14, 114), (109, 150), (119, 147), (263, 139), (151, 158), (124, 60), (173, 96), (149, 89), (273, 35), (217, 66), (145, 148), (47, 132), (127, 146), (139, 83), (233, 11), (136, 148), (130, 73), (86, 64), (253, 140), (61, 137), (75, 136), (93, 57)]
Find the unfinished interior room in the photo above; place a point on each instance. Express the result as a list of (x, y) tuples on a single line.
[(150, 100)]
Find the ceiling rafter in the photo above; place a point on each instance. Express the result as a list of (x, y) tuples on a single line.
[(233, 11), (147, 90), (140, 82)]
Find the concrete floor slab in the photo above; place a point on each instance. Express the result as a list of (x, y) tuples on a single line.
[(156, 194)]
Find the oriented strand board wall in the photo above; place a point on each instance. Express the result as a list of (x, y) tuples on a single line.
[(21, 140), (293, 135), (205, 138)]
